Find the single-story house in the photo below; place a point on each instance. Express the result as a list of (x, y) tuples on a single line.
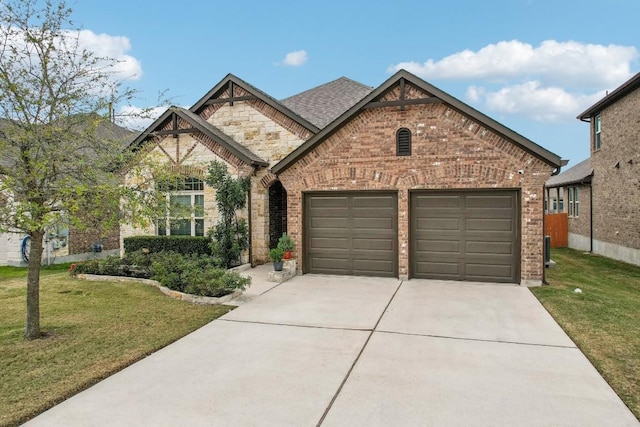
[(402, 180)]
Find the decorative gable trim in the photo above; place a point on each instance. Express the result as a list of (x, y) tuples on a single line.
[(404, 89), (233, 89), (176, 121)]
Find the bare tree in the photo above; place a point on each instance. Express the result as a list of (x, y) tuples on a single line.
[(56, 157)]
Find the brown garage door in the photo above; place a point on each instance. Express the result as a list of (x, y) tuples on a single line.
[(351, 233), (471, 236)]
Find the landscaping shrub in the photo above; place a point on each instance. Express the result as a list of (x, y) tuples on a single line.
[(193, 274), (215, 282), (181, 244)]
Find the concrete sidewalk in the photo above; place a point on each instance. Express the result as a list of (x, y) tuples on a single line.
[(346, 351)]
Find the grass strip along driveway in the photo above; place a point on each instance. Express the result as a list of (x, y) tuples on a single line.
[(604, 319), (93, 329)]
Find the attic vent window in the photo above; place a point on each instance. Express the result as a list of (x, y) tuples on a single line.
[(403, 142)]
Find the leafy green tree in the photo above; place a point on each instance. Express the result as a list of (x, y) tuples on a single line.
[(231, 235), (59, 161)]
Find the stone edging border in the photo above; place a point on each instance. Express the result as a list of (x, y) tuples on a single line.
[(194, 299)]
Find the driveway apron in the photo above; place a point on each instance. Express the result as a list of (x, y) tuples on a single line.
[(347, 351)]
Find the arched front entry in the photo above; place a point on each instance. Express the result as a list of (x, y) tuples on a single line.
[(277, 213)]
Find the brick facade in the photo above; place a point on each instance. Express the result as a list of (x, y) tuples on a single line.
[(616, 178), (449, 151)]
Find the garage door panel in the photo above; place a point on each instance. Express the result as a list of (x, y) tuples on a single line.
[(483, 273), (373, 244), (438, 224), (330, 223), (465, 235), (367, 267), (330, 202), (438, 246), (367, 228), (489, 225), (502, 248), (373, 223), (377, 202), (434, 201), (489, 202), (328, 243), (441, 269), (329, 212)]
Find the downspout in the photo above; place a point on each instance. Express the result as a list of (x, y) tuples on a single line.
[(590, 218), (544, 220), (250, 228)]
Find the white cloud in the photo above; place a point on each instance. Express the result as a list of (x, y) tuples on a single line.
[(295, 59), (531, 99), (552, 62), (138, 118), (113, 47), (554, 81)]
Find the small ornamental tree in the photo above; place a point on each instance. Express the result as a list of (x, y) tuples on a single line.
[(231, 235), (59, 160)]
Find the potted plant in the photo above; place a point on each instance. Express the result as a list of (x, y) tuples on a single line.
[(276, 255), (286, 244)]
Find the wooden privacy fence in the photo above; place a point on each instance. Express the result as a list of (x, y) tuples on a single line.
[(557, 226)]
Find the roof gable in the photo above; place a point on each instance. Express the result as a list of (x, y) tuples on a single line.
[(620, 92), (376, 98), (198, 124), (323, 104), (228, 84)]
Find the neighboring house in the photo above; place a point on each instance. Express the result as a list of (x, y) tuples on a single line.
[(63, 244), (570, 193), (402, 180), (606, 214)]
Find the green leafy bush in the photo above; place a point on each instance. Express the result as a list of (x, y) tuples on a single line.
[(215, 283), (231, 235), (192, 274), (181, 244)]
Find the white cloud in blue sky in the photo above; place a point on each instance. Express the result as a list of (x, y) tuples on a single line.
[(295, 58), (554, 81), (552, 61), (126, 66)]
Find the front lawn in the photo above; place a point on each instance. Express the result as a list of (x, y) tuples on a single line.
[(93, 329), (604, 319)]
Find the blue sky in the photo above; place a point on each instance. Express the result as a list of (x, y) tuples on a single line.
[(533, 65)]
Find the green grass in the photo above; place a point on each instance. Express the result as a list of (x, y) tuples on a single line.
[(93, 329), (603, 320)]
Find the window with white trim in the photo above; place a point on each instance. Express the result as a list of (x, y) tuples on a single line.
[(597, 127), (574, 202), (185, 209)]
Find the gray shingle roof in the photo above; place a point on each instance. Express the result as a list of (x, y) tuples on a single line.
[(325, 103), (580, 173)]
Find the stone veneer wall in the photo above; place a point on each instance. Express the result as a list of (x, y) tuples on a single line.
[(270, 135), (449, 151), (263, 130)]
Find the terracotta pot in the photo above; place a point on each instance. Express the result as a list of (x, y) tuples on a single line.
[(287, 255)]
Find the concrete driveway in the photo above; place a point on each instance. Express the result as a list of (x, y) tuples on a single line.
[(345, 351)]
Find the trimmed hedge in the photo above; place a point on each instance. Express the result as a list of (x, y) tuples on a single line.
[(184, 245)]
